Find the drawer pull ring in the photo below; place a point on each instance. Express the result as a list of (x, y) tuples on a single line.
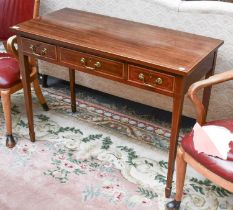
[(97, 64), (141, 77), (83, 60), (159, 81)]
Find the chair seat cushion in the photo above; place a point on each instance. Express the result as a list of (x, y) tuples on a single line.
[(223, 168), (9, 71)]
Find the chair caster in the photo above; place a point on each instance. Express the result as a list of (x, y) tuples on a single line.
[(45, 107), (173, 205), (10, 141)]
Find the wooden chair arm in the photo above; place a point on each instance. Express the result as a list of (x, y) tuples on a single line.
[(11, 46), (11, 49), (195, 87)]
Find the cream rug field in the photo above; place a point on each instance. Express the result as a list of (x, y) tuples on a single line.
[(91, 160)]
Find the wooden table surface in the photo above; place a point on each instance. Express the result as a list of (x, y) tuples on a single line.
[(167, 49)]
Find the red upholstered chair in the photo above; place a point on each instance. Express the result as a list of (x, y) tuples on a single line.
[(215, 169), (13, 12)]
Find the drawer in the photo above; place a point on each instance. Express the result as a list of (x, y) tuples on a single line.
[(150, 78), (91, 63), (41, 49)]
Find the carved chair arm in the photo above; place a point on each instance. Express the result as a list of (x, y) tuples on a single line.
[(11, 49), (11, 46), (194, 88)]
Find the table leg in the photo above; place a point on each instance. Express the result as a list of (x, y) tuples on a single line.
[(176, 117), (207, 90), (44, 81), (25, 72), (72, 89)]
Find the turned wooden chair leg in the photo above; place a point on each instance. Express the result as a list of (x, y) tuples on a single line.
[(39, 94), (6, 104), (181, 166)]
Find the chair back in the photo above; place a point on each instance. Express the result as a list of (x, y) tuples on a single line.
[(13, 12)]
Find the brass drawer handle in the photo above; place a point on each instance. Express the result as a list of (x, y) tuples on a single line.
[(83, 60), (96, 65), (34, 47), (44, 51), (141, 77), (159, 81)]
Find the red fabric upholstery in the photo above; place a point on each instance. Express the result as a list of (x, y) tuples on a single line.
[(9, 71), (223, 168), (4, 54), (13, 12)]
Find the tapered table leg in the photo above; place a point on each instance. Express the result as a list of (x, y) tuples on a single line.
[(72, 89), (25, 72), (44, 81), (207, 90), (176, 117)]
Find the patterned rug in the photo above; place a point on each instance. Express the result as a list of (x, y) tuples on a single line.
[(95, 158)]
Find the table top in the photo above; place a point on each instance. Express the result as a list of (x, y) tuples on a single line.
[(170, 50)]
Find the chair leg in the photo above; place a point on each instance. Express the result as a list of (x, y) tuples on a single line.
[(181, 166), (6, 104), (40, 95)]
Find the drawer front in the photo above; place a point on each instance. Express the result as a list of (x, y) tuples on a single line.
[(149, 78), (91, 63), (41, 49)]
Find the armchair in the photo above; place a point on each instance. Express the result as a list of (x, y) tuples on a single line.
[(11, 13), (215, 169)]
